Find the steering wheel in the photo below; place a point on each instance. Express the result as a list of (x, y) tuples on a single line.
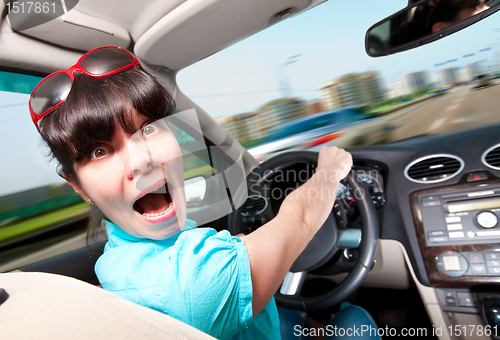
[(327, 241)]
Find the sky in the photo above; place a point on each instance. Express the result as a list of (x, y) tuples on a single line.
[(329, 40)]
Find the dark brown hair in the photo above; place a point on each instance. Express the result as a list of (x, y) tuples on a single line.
[(93, 108), (91, 112)]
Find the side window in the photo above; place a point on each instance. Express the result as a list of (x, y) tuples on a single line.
[(35, 203), (193, 165), (196, 170), (213, 174)]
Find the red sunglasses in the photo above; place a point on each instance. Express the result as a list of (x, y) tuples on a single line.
[(53, 90)]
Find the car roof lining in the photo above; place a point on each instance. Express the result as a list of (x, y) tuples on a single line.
[(200, 28), (31, 55), (158, 25), (135, 16)]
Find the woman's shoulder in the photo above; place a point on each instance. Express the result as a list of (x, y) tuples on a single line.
[(194, 238), (205, 233), (190, 251), (208, 239)]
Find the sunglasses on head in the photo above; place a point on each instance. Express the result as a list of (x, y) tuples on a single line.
[(53, 90)]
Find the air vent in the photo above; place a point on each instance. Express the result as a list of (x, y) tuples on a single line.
[(491, 157), (433, 169), (254, 205)]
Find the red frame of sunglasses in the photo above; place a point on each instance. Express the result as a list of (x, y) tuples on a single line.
[(71, 73)]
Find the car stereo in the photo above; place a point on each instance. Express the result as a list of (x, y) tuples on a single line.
[(466, 216), (458, 228)]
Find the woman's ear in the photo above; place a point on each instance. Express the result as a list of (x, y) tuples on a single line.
[(77, 187)]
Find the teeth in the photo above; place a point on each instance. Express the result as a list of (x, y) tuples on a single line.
[(158, 214), (157, 189)]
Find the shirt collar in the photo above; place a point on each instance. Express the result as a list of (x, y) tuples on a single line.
[(118, 236)]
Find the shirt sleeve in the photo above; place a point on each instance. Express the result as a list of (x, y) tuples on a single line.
[(213, 287), (203, 279)]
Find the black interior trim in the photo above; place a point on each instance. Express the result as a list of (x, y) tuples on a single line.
[(78, 264), (3, 296)]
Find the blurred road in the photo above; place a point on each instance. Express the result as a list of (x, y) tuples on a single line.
[(459, 108)]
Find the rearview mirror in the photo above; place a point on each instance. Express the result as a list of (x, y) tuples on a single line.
[(423, 22)]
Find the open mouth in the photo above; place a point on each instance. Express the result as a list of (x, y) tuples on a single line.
[(154, 204)]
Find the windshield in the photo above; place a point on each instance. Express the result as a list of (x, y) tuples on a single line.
[(301, 84), (271, 86)]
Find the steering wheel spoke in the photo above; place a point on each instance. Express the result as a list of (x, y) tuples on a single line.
[(349, 239), (293, 283)]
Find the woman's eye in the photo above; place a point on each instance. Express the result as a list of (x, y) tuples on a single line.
[(149, 129), (99, 152)]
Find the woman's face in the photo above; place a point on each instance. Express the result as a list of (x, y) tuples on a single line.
[(137, 180)]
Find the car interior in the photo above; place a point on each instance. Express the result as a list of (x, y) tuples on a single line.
[(419, 249)]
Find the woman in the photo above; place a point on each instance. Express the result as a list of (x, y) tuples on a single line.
[(106, 122)]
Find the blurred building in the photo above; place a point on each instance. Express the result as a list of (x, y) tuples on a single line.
[(239, 126), (449, 75), (435, 80), (254, 125), (412, 82), (415, 81), (473, 70), (314, 107), (275, 113), (354, 89), (397, 89), (462, 75), (372, 86)]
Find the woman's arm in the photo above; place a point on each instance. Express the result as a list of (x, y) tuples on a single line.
[(273, 248)]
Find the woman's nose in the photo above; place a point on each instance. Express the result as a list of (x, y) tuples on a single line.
[(139, 157)]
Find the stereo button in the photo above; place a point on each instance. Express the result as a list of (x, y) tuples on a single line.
[(467, 299), (489, 233), (457, 226), (476, 258), (438, 233), (456, 234), (494, 270), (492, 256), (487, 219), (453, 219), (478, 269), (438, 239), (451, 301)]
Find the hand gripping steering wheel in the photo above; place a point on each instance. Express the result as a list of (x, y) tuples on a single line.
[(327, 241)]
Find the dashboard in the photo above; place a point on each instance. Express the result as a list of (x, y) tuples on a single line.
[(437, 195), (443, 204), (451, 205)]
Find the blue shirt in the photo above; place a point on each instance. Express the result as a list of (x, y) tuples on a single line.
[(198, 276)]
